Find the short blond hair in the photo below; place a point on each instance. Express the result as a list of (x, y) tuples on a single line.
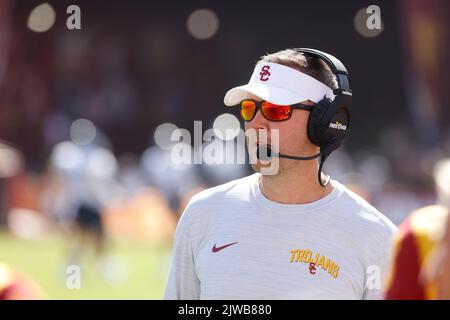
[(312, 66)]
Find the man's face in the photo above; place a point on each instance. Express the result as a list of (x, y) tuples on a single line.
[(293, 138)]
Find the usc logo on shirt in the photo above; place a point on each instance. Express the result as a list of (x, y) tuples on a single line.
[(315, 262)]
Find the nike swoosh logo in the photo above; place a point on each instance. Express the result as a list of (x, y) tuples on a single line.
[(217, 249)]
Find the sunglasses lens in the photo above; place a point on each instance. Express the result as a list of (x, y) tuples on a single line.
[(248, 109), (275, 112)]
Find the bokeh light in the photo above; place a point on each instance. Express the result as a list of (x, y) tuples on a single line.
[(11, 161), (67, 156), (360, 22), (102, 164), (202, 24), (82, 132), (226, 126), (163, 135), (41, 18)]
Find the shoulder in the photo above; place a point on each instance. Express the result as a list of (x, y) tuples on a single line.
[(234, 189), (363, 217), (232, 192)]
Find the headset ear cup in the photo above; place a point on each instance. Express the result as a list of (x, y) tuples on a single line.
[(316, 131)]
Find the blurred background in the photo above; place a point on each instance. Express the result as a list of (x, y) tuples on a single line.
[(86, 116)]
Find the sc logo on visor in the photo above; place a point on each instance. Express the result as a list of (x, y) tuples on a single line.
[(265, 74)]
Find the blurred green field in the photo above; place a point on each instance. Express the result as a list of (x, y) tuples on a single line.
[(138, 270)]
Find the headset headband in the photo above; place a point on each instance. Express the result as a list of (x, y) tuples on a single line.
[(336, 66)]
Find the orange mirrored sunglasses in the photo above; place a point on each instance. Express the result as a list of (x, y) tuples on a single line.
[(270, 111)]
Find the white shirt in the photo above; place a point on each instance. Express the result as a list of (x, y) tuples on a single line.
[(233, 243)]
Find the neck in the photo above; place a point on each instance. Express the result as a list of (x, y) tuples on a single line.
[(298, 186)]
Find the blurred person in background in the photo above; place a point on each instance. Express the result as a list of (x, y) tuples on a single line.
[(89, 228), (438, 267), (295, 234), (420, 267), (11, 165), (172, 180), (81, 181)]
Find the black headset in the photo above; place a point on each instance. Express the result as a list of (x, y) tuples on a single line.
[(329, 120)]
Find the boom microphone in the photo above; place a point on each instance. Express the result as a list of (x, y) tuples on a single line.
[(265, 153)]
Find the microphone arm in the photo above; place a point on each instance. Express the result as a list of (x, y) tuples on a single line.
[(269, 154), (297, 158)]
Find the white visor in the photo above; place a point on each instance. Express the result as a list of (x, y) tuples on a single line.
[(279, 84)]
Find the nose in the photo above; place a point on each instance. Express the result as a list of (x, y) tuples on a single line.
[(259, 121)]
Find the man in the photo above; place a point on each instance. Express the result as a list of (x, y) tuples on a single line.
[(421, 258), (417, 249), (440, 266), (438, 269), (286, 235)]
